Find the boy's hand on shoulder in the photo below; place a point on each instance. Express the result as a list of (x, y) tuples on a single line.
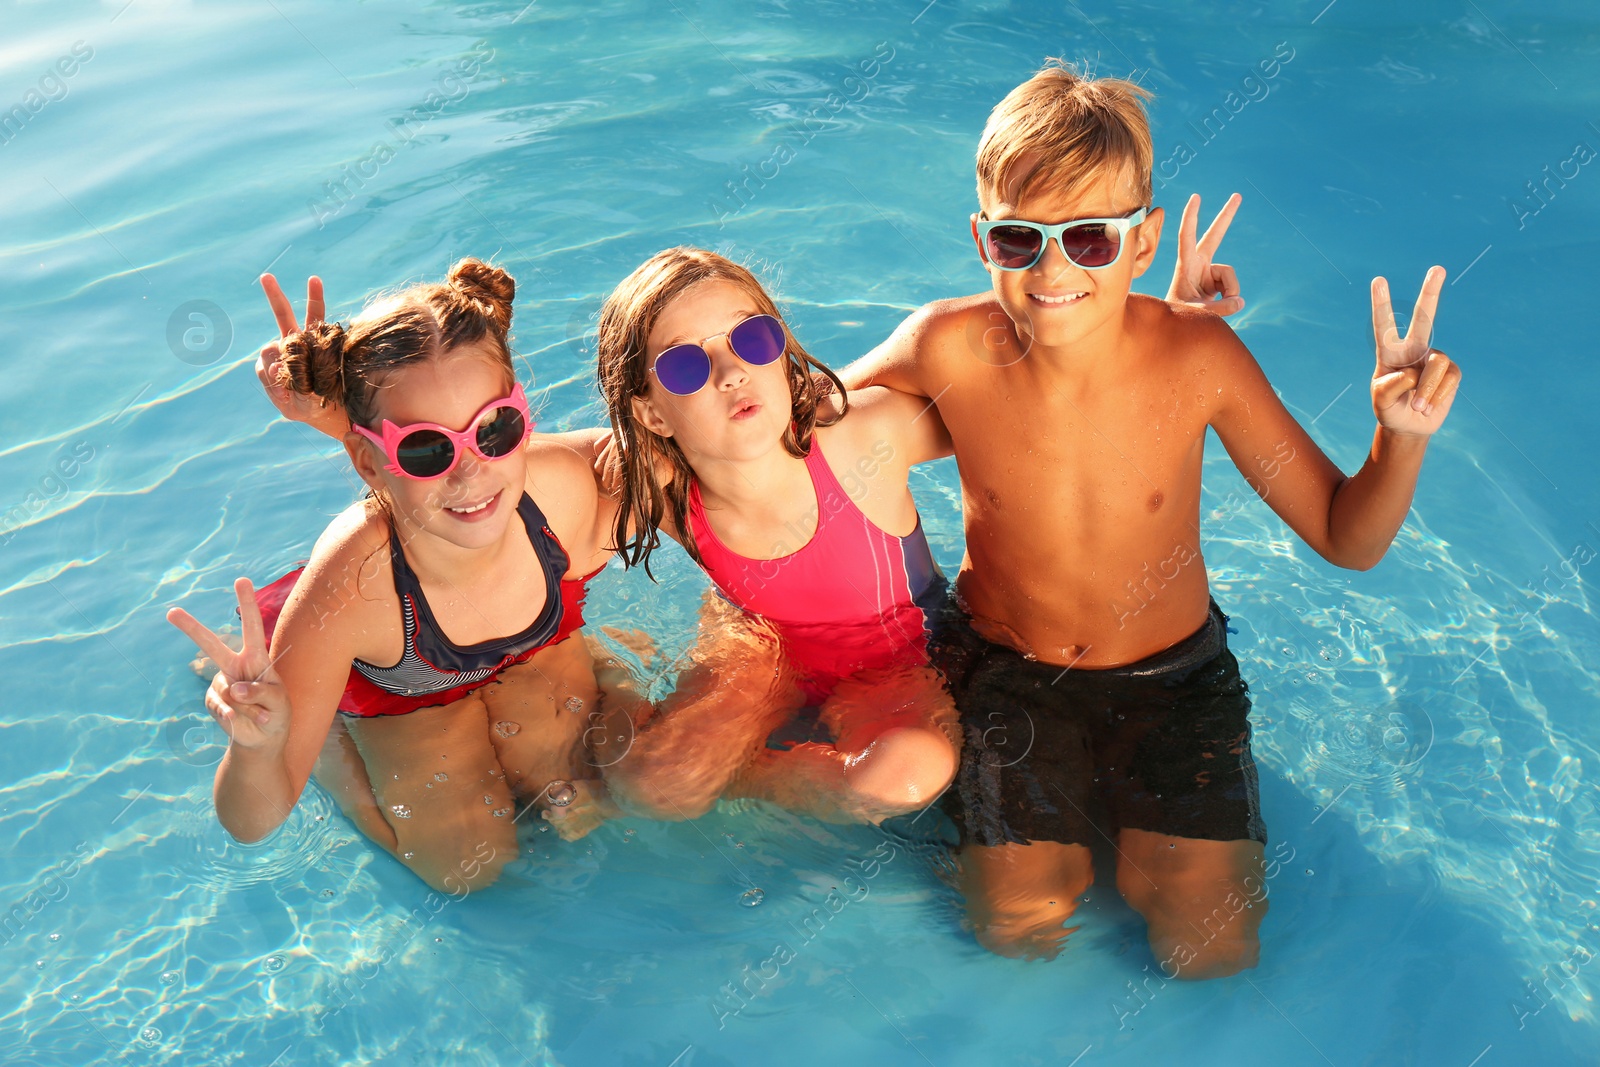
[(1414, 384), (1196, 280)]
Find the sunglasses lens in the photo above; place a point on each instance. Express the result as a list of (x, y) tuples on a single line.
[(425, 454), (501, 432), (1014, 247), (1094, 244), (757, 340), (683, 369)]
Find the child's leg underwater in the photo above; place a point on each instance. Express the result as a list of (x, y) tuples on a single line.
[(1019, 897), (896, 749), (684, 755), (1204, 920)]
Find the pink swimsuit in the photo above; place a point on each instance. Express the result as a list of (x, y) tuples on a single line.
[(851, 599)]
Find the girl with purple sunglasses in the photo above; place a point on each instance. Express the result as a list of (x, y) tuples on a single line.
[(792, 495)]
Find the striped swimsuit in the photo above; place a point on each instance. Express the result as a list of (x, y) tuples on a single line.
[(433, 671)]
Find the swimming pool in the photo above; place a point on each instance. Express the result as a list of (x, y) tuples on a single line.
[(1422, 730)]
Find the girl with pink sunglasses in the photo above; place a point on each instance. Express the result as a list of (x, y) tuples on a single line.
[(426, 664)]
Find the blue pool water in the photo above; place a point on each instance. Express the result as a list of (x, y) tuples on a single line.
[(1425, 731)]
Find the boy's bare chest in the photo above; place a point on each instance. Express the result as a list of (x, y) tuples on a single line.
[(1041, 449)]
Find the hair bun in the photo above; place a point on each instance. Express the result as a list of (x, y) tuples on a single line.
[(313, 361), (488, 286)]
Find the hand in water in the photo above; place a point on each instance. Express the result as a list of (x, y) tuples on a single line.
[(1414, 384), (1196, 280), (313, 411), (246, 697), (591, 805)]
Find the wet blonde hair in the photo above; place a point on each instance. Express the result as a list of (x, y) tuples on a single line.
[(1070, 129), (626, 319)]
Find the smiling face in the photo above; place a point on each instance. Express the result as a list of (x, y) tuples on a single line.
[(1056, 304), (742, 411), (471, 506)]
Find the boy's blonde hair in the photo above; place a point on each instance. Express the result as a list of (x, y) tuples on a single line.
[(1072, 128)]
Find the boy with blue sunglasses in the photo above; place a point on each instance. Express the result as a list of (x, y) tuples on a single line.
[(1098, 696)]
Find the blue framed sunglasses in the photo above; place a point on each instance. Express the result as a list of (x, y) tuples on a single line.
[(684, 370), (1093, 244)]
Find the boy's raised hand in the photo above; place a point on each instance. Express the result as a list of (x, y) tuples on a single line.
[(313, 411), (1414, 384), (246, 697), (1196, 280)]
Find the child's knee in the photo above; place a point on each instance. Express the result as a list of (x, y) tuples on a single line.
[(1203, 932), (903, 769)]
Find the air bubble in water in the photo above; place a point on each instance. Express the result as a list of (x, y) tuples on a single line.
[(751, 898), (327, 894), (562, 793), (507, 729), (150, 1035), (55, 937), (169, 977), (401, 811), (574, 704), (38, 963), (501, 813), (272, 964), (441, 777), (1310, 871)]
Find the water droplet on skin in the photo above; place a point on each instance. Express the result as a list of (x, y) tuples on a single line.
[(408, 855), (397, 777), (169, 977), (55, 937), (574, 704), (487, 799), (751, 898), (507, 729), (273, 964), (401, 811), (441, 777), (561, 794), (501, 813)]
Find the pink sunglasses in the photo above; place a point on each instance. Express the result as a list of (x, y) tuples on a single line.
[(426, 450)]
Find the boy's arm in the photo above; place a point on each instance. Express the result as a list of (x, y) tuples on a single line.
[(1348, 521), (896, 363)]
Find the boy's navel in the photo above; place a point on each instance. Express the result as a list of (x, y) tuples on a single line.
[(1156, 500)]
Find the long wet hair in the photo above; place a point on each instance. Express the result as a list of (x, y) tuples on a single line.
[(347, 364), (627, 318)]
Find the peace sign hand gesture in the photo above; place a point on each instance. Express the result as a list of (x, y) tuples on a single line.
[(246, 697), (313, 411), (1196, 280), (1414, 384)]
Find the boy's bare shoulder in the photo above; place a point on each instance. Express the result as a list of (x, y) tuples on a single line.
[(952, 326), (1186, 336)]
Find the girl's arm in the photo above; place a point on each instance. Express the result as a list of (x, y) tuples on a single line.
[(275, 701)]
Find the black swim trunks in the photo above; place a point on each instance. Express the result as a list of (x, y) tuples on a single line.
[(1074, 755)]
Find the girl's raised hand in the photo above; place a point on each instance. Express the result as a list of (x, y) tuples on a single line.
[(313, 411), (1414, 384), (1196, 280), (246, 697)]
